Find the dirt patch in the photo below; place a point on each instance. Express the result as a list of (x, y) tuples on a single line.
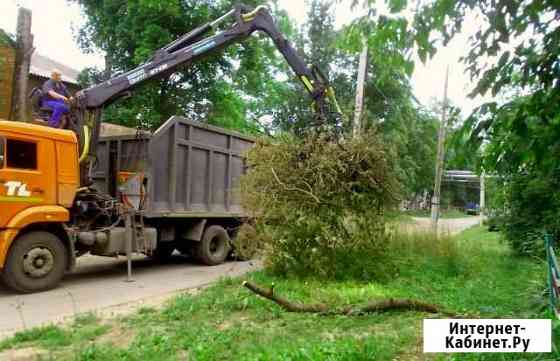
[(450, 226), (23, 354), (122, 337), (235, 319), (117, 336)]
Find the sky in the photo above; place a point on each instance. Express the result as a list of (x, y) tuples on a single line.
[(54, 25)]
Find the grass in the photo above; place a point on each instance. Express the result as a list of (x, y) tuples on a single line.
[(473, 273), (84, 329)]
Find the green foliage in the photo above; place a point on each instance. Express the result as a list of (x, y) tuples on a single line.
[(321, 45), (7, 39), (247, 243), (532, 208), (521, 40), (515, 49), (522, 132), (131, 31), (436, 254), (514, 56), (283, 102), (320, 202), (411, 137), (48, 336), (251, 94), (85, 328), (459, 153), (409, 131)]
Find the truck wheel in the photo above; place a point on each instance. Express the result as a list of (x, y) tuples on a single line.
[(36, 262), (214, 246)]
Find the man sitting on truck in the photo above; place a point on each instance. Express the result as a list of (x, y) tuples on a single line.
[(56, 97)]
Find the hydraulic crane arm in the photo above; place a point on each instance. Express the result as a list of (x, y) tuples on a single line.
[(191, 47)]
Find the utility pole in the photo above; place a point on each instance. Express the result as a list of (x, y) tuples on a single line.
[(24, 49), (108, 67), (362, 72), (482, 197), (440, 157)]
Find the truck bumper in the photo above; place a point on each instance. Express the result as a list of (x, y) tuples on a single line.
[(6, 238)]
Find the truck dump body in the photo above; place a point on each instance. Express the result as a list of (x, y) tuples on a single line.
[(191, 169)]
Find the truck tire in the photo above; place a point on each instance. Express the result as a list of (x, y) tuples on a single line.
[(36, 262), (214, 246)]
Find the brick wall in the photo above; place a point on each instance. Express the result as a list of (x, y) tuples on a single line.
[(7, 65)]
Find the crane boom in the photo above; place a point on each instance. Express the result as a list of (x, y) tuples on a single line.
[(187, 49)]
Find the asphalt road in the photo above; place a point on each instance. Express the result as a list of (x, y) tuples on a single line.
[(99, 285), (446, 225)]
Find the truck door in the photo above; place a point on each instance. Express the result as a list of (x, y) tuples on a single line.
[(26, 175)]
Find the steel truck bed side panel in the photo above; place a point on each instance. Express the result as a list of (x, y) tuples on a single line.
[(195, 168), (192, 168)]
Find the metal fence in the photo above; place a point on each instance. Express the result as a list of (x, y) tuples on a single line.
[(553, 275)]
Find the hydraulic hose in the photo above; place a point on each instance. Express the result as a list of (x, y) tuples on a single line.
[(87, 140)]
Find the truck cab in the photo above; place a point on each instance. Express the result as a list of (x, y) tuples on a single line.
[(39, 177)]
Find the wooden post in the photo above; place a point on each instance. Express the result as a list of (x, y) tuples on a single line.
[(129, 229), (436, 198), (362, 72), (24, 49), (108, 68)]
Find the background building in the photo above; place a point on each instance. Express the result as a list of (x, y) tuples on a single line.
[(39, 71)]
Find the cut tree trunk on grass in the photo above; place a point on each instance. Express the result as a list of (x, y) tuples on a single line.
[(390, 304)]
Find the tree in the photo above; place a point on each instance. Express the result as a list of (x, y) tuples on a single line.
[(409, 130), (283, 102), (252, 92), (321, 36), (519, 132), (515, 57), (130, 31), (520, 40), (516, 47)]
